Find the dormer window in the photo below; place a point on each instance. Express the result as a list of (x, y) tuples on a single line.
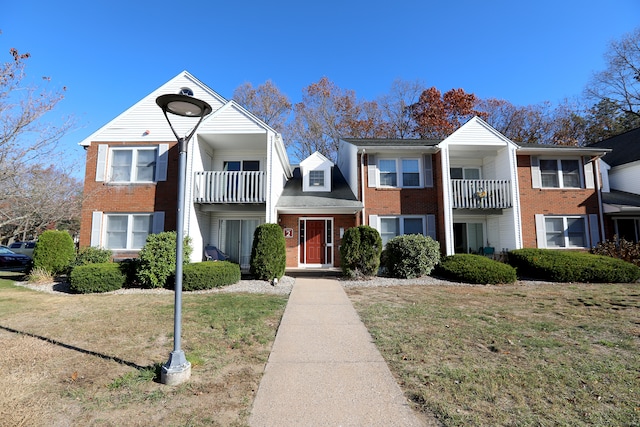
[(316, 178), (316, 173)]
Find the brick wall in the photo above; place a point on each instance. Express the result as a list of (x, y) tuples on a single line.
[(292, 244), (548, 201), (129, 198)]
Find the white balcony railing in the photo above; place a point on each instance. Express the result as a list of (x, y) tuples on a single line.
[(229, 187), (481, 193)]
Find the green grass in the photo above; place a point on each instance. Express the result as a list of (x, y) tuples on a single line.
[(512, 355)]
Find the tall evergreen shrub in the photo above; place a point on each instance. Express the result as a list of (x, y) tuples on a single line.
[(268, 252), (157, 259), (360, 251), (54, 252)]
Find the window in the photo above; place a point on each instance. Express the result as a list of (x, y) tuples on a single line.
[(560, 173), (388, 176), (565, 232), (133, 164), (127, 231), (465, 173), (399, 172), (316, 178), (391, 227)]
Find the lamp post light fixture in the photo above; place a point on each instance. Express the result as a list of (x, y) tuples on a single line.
[(178, 369)]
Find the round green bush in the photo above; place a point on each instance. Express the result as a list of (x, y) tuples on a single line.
[(157, 259), (478, 269), (92, 278), (209, 275), (54, 252), (571, 266), (92, 255), (410, 256), (360, 251), (268, 252)]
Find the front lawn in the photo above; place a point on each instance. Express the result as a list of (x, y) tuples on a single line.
[(517, 355)]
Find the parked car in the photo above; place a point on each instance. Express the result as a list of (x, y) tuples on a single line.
[(25, 248), (11, 261)]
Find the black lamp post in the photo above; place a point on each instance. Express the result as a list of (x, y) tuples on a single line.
[(178, 369)]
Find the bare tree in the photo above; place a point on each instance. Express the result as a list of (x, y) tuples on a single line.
[(619, 83), (265, 101), (40, 198), (395, 107)]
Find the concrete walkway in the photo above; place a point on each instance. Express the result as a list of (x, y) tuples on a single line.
[(324, 369)]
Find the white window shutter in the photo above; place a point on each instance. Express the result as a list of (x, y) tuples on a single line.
[(588, 173), (431, 226), (428, 171), (594, 230), (161, 162), (372, 177), (536, 181), (101, 166), (96, 229), (374, 222), (541, 234), (158, 222)]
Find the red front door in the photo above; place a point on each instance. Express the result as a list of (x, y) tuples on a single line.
[(315, 242)]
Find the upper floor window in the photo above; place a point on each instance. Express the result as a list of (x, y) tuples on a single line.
[(140, 164), (316, 178), (244, 165), (399, 172), (560, 173), (133, 164), (465, 173)]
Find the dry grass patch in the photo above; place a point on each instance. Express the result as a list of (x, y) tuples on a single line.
[(512, 355), (94, 359)]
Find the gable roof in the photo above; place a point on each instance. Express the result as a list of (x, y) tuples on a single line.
[(626, 148), (339, 200), (144, 120)]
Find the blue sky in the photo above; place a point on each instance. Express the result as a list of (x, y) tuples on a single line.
[(110, 54)]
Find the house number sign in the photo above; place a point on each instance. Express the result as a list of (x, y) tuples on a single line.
[(288, 233)]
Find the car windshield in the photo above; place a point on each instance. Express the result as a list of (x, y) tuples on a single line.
[(6, 251)]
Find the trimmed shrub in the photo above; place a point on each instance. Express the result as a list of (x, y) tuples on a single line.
[(210, 274), (54, 252), (102, 277), (91, 255), (360, 251), (268, 252), (410, 256), (157, 260), (478, 269), (569, 266)]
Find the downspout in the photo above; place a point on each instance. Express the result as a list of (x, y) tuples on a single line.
[(596, 162), (362, 184)]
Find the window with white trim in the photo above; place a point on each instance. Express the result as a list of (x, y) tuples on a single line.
[(133, 164), (316, 178), (560, 173), (403, 173), (391, 227), (565, 232), (127, 231)]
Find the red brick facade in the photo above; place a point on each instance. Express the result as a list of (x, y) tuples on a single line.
[(130, 198), (549, 201)]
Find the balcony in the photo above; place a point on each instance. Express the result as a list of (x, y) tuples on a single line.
[(481, 194), (229, 187)]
